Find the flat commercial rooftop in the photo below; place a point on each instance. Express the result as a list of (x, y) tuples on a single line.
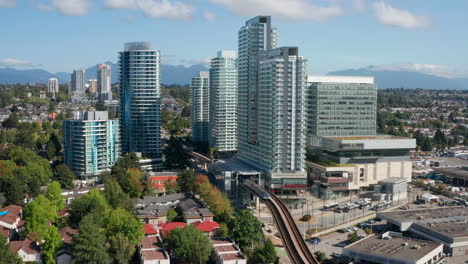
[(450, 221), (368, 137), (397, 248), (453, 172)]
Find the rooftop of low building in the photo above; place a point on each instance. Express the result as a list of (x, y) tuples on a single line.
[(399, 248)]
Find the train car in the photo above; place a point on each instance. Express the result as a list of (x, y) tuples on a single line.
[(257, 189)]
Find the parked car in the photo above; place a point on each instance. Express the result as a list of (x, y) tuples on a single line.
[(313, 240), (335, 255), (342, 244), (352, 228), (343, 230)]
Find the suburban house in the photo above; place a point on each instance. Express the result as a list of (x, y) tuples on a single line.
[(152, 251), (207, 227), (65, 254), (225, 251), (28, 250), (10, 221)]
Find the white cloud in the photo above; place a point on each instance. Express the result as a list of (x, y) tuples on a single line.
[(71, 7), (209, 16), (155, 8), (7, 3), (128, 4), (165, 9), (10, 62), (391, 16), (43, 7), (285, 9), (358, 5), (431, 69)]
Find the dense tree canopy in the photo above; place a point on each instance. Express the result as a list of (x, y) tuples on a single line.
[(265, 254), (175, 156), (246, 229), (189, 245), (187, 181), (90, 243), (64, 176), (93, 203), (37, 214), (122, 222)]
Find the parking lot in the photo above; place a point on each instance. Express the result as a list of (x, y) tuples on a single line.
[(332, 244)]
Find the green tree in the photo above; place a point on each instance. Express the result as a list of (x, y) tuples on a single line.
[(130, 160), (100, 106), (171, 215), (11, 122), (131, 182), (440, 140), (90, 243), (40, 168), (320, 256), (36, 214), (353, 237), (56, 140), (116, 197), (54, 194), (25, 136), (175, 156), (187, 181), (427, 146), (121, 249), (93, 203), (64, 176), (190, 245), (52, 242), (368, 231), (171, 187), (122, 222), (223, 230), (245, 229), (8, 257), (265, 254)]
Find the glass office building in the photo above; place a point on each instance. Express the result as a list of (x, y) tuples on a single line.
[(91, 143), (342, 106), (223, 102), (200, 106), (140, 119)]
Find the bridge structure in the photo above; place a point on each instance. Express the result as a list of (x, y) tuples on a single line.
[(294, 244), (203, 160)]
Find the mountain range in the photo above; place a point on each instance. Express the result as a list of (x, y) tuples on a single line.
[(170, 74), (182, 75), (407, 79)]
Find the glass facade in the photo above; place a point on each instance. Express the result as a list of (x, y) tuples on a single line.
[(342, 109), (91, 143), (255, 39), (200, 106), (223, 102), (282, 113), (140, 118)]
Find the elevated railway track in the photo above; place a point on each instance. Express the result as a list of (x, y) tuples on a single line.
[(293, 242)]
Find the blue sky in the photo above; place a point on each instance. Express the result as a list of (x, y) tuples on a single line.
[(428, 36)]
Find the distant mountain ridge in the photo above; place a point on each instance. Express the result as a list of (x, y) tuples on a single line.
[(407, 79), (170, 74), (182, 75)]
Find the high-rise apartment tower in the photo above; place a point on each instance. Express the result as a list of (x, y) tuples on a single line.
[(223, 102), (140, 119)]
